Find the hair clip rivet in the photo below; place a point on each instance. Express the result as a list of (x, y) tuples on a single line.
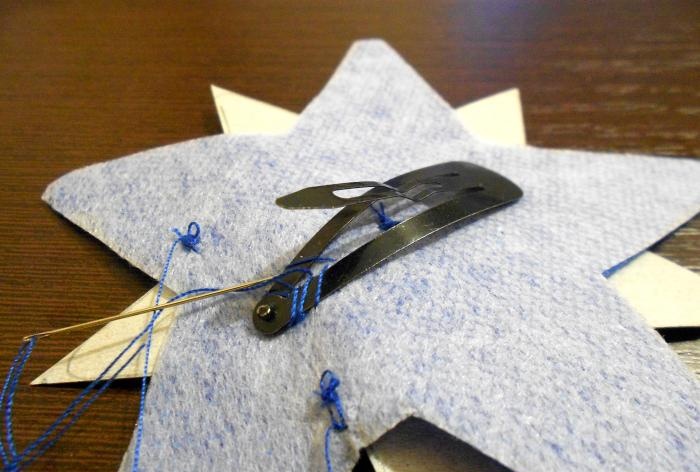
[(265, 312)]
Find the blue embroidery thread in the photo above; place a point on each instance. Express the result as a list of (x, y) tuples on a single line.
[(190, 241), (13, 461), (384, 222), (330, 399)]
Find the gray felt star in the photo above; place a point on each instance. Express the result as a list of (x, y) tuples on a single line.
[(502, 333)]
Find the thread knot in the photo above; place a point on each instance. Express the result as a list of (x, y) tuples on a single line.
[(190, 239), (331, 399), (384, 222)]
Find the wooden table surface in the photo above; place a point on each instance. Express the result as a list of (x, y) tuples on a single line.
[(82, 82)]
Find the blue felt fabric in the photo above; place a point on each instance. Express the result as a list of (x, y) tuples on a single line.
[(502, 333)]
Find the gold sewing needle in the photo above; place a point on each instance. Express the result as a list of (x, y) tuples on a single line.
[(140, 311)]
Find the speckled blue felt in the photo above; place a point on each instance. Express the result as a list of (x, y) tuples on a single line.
[(502, 332)]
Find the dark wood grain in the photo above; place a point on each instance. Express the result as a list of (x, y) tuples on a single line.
[(81, 82)]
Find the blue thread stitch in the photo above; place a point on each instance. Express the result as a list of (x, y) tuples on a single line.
[(385, 221), (190, 242), (317, 298), (299, 293), (330, 399), (191, 239)]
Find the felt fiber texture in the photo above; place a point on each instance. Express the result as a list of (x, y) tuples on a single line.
[(504, 332)]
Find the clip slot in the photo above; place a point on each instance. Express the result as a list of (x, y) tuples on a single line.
[(455, 192), (324, 196)]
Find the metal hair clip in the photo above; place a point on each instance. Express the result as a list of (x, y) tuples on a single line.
[(453, 192)]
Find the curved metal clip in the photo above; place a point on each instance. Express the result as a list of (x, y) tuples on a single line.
[(454, 192)]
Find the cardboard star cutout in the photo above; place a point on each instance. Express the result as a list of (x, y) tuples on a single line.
[(493, 333)]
